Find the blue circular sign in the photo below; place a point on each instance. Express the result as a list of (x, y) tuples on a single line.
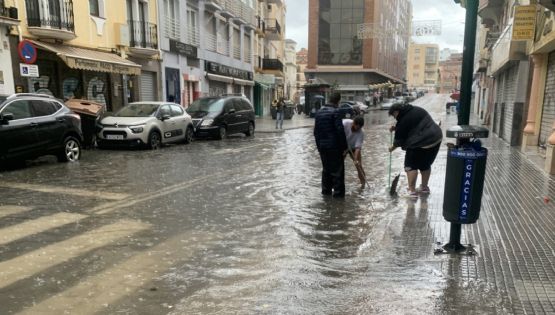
[(27, 52)]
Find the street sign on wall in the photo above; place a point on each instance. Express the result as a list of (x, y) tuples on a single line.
[(524, 24)]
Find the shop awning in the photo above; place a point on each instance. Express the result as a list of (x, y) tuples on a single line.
[(220, 78), (92, 60), (243, 82)]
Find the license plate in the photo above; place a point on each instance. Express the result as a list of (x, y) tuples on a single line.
[(114, 137)]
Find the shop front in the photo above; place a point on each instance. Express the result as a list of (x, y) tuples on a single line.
[(262, 97), (82, 73), (222, 79)]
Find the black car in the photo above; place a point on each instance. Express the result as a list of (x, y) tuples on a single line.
[(32, 125), (222, 115)]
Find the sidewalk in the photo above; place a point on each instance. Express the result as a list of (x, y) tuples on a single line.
[(514, 270), (268, 125)]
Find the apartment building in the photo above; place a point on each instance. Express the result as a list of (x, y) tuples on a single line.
[(269, 65), (449, 79), (290, 69), (422, 66), (336, 54), (92, 49)]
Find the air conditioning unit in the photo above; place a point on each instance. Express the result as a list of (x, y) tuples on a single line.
[(122, 34), (550, 4)]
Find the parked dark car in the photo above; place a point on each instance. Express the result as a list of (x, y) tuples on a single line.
[(223, 115), (33, 125)]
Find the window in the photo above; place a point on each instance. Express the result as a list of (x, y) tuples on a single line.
[(338, 43), (228, 106), (19, 109), (164, 110), (176, 110), (192, 29), (43, 108), (96, 7)]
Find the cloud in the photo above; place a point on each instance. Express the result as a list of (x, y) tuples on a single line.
[(450, 13)]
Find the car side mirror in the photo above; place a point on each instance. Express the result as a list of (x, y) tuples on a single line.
[(5, 118), (165, 117), (231, 111)]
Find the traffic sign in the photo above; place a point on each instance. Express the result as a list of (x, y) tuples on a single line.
[(27, 52)]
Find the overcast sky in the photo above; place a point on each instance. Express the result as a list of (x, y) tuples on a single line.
[(450, 13)]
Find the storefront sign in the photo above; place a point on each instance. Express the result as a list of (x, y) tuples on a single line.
[(524, 24), (102, 66), (183, 49), (27, 52), (267, 79), (29, 70), (219, 69)]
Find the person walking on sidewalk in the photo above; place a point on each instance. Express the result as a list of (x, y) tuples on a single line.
[(331, 143), (418, 134), (280, 112), (355, 138)]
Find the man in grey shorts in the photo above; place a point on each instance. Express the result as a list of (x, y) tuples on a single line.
[(355, 138)]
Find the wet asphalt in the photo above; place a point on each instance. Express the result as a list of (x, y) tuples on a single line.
[(224, 227)]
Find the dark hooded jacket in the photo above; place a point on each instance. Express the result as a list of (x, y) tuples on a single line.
[(415, 128), (328, 130)]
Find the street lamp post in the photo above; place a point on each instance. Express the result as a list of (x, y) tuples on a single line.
[(471, 21)]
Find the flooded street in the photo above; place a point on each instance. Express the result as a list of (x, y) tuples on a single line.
[(229, 227)]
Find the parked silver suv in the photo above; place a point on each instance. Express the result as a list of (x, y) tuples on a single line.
[(149, 124)]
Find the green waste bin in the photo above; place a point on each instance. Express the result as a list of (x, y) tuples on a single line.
[(464, 183)]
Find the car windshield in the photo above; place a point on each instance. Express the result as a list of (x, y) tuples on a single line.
[(138, 110), (211, 105)]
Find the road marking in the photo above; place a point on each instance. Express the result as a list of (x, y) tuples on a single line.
[(9, 210), (36, 226), (93, 294), (26, 265), (65, 190)]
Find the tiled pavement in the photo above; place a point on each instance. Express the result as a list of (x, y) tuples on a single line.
[(514, 271)]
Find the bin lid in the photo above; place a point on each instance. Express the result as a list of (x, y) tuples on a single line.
[(467, 131), (85, 107)]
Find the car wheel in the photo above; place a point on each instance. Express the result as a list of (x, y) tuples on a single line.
[(189, 135), (250, 131), (71, 150), (154, 140), (222, 133)]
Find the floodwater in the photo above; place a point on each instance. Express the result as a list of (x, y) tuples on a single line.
[(225, 227)]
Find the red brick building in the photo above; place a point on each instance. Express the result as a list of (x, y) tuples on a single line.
[(449, 74)]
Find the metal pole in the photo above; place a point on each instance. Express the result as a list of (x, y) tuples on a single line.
[(468, 60)]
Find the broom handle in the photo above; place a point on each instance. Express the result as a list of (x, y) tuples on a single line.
[(389, 176)]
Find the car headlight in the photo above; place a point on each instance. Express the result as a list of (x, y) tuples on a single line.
[(137, 129), (207, 122)]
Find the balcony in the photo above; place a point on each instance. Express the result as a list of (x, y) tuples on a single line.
[(505, 50), (272, 64), (260, 26), (8, 16), (143, 38), (237, 52), (490, 11), (51, 19), (193, 36), (216, 44), (273, 29)]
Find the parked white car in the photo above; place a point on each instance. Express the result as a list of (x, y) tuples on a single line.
[(149, 124)]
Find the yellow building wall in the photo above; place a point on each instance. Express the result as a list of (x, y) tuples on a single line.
[(115, 12)]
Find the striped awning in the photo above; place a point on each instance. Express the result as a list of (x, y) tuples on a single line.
[(92, 60)]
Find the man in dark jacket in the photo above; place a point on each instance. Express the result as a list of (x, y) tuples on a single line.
[(331, 143), (418, 134)]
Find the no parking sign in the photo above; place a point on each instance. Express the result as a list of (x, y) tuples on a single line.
[(27, 52)]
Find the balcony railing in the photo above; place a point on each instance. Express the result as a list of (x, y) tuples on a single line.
[(193, 36), (272, 64), (143, 34), (237, 52), (172, 28), (272, 25), (52, 14), (210, 42), (6, 12)]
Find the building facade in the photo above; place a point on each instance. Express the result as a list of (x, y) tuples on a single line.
[(290, 69), (449, 79), (207, 48), (349, 63), (423, 66), (92, 50), (302, 61), (269, 65)]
